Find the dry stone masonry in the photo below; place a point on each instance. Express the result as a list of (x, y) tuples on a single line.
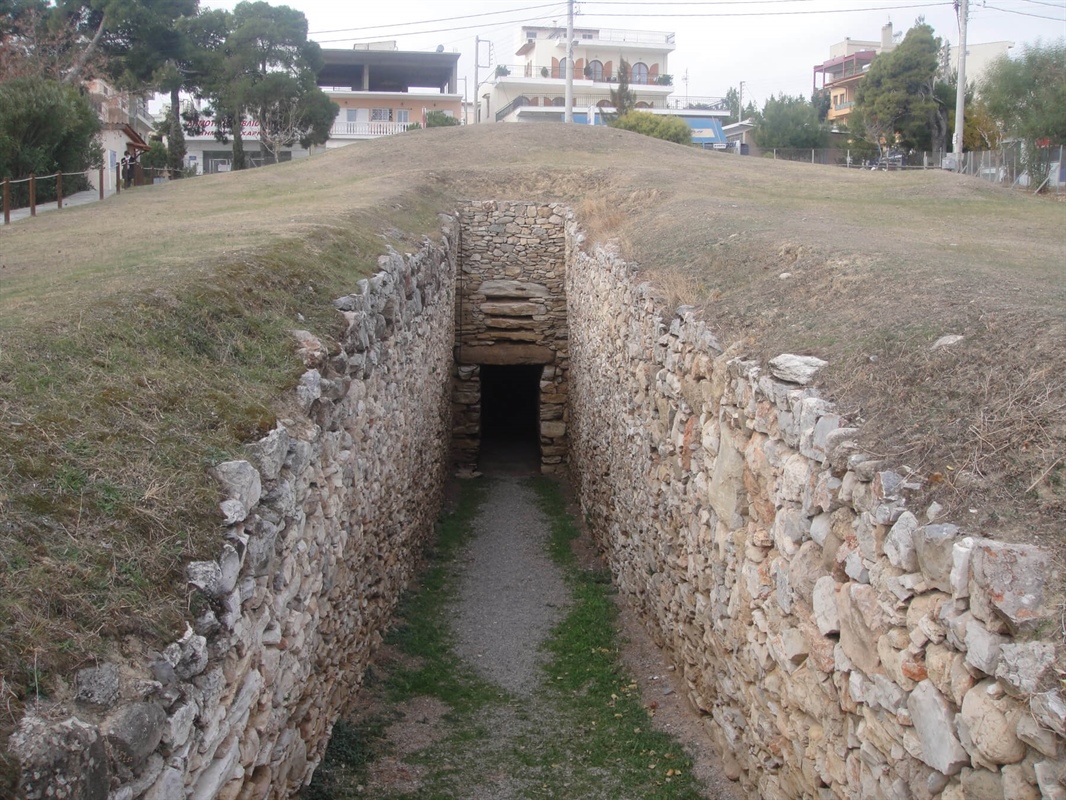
[(839, 643), (510, 310), (323, 525)]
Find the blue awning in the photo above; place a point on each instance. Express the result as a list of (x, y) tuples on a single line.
[(706, 131)]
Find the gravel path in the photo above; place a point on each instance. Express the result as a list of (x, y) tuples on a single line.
[(511, 594)]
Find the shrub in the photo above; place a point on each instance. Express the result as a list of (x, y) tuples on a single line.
[(671, 129), (45, 127)]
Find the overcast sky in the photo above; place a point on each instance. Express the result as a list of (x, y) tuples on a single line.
[(771, 45)]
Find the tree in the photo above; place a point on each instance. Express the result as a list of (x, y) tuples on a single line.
[(266, 68), (438, 119), (39, 40), (788, 122), (623, 98), (898, 100), (45, 127), (1027, 97), (668, 128)]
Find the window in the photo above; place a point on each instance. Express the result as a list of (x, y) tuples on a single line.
[(559, 101), (587, 36), (381, 115), (595, 69), (639, 73), (403, 115)]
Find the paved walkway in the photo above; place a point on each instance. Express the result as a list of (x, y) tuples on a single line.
[(79, 199)]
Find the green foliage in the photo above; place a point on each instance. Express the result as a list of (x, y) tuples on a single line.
[(788, 122), (1026, 96), (45, 127), (672, 129), (261, 64), (438, 119), (899, 102), (156, 158), (623, 98)]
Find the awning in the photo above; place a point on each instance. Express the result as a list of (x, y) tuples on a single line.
[(135, 140)]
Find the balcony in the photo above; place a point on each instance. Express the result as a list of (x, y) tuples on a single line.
[(342, 129), (709, 106)]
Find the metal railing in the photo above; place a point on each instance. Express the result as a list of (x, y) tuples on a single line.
[(1005, 167)]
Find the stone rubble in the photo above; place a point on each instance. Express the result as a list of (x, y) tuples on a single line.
[(838, 644), (323, 526)]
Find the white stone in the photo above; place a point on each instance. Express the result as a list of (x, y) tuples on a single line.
[(824, 601), (795, 369), (982, 647), (933, 721), (960, 568), (899, 543)]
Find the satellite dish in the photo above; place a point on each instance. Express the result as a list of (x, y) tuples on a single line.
[(440, 48)]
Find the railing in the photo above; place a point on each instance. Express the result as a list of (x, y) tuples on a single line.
[(524, 71), (843, 106), (631, 37), (29, 196), (582, 102), (368, 130), (1005, 166)]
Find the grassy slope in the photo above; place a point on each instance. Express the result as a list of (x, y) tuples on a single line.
[(143, 338)]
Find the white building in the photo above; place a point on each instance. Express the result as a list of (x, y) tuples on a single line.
[(532, 88)]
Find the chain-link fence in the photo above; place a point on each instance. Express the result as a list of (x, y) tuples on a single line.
[(1035, 169)]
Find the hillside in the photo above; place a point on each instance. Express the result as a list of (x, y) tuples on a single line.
[(144, 338)]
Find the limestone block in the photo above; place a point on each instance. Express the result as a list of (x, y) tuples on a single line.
[(1016, 785), (64, 760), (795, 369), (1049, 708), (933, 546), (135, 731), (988, 725), (1051, 778), (861, 625), (899, 543), (960, 568), (512, 289), (1012, 580), (824, 600), (512, 309), (982, 647), (933, 721), (97, 686), (1039, 738), (506, 354), (170, 785), (726, 488), (981, 784)]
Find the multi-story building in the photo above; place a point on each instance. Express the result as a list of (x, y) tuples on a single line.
[(532, 87), (848, 62), (380, 90), (125, 123)]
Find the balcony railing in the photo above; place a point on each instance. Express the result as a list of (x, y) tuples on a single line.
[(366, 130), (582, 102), (546, 72)]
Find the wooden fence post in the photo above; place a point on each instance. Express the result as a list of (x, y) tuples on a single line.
[(59, 191), (7, 201), (101, 182), (33, 195), (118, 178)]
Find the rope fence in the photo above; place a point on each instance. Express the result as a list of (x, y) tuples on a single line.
[(37, 189)]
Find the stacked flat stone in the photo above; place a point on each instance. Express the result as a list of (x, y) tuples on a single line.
[(838, 644), (323, 525), (511, 309)]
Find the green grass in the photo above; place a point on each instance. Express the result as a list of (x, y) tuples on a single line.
[(583, 733)]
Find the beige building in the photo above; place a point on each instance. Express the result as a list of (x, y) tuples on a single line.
[(848, 62)]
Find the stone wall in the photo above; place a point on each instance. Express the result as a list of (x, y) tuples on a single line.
[(511, 309), (323, 524), (839, 644)]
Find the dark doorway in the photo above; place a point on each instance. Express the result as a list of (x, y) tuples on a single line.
[(510, 418)]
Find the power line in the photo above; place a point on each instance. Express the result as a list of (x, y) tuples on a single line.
[(1042, 3), (434, 21), (1024, 13), (420, 33), (781, 13)]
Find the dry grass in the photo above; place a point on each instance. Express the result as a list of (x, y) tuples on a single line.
[(143, 338)]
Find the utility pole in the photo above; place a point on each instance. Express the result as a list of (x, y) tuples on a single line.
[(568, 114), (740, 102), (477, 84), (962, 8)]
